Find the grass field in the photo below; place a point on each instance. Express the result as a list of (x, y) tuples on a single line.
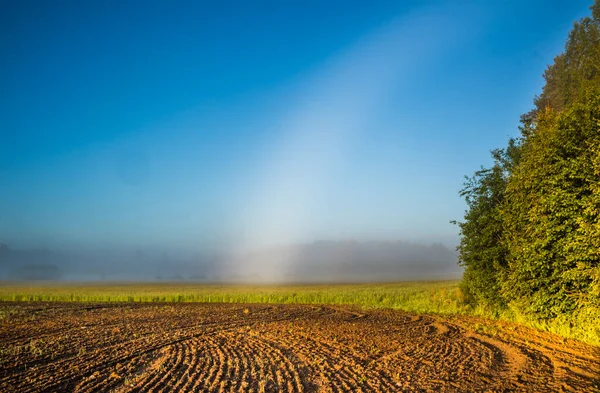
[(423, 297), (439, 297)]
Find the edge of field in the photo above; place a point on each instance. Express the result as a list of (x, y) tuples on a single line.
[(422, 297)]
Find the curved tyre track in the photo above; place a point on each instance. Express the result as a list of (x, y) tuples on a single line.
[(283, 348)]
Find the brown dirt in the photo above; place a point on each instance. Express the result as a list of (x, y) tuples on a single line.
[(278, 348)]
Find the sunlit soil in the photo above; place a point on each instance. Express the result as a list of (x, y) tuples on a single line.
[(278, 348)]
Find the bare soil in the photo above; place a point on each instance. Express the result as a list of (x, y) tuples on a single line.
[(278, 348)]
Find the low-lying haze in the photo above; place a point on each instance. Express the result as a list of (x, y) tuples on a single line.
[(323, 261)]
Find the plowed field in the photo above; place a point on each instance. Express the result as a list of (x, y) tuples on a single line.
[(278, 348)]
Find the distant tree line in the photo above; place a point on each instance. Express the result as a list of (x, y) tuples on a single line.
[(530, 237), (37, 264)]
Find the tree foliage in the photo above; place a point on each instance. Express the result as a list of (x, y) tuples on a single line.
[(481, 250), (576, 71), (530, 239), (550, 215)]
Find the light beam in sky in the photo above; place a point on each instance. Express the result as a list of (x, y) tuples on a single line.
[(330, 112)]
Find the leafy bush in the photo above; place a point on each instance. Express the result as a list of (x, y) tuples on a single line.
[(530, 239)]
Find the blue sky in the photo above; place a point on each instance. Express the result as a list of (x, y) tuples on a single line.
[(195, 125)]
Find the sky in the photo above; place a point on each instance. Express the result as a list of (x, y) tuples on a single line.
[(234, 125)]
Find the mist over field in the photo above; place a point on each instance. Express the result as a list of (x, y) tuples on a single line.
[(322, 261)]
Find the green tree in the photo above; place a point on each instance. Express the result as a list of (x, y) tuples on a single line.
[(577, 69), (530, 238), (481, 249), (551, 214)]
